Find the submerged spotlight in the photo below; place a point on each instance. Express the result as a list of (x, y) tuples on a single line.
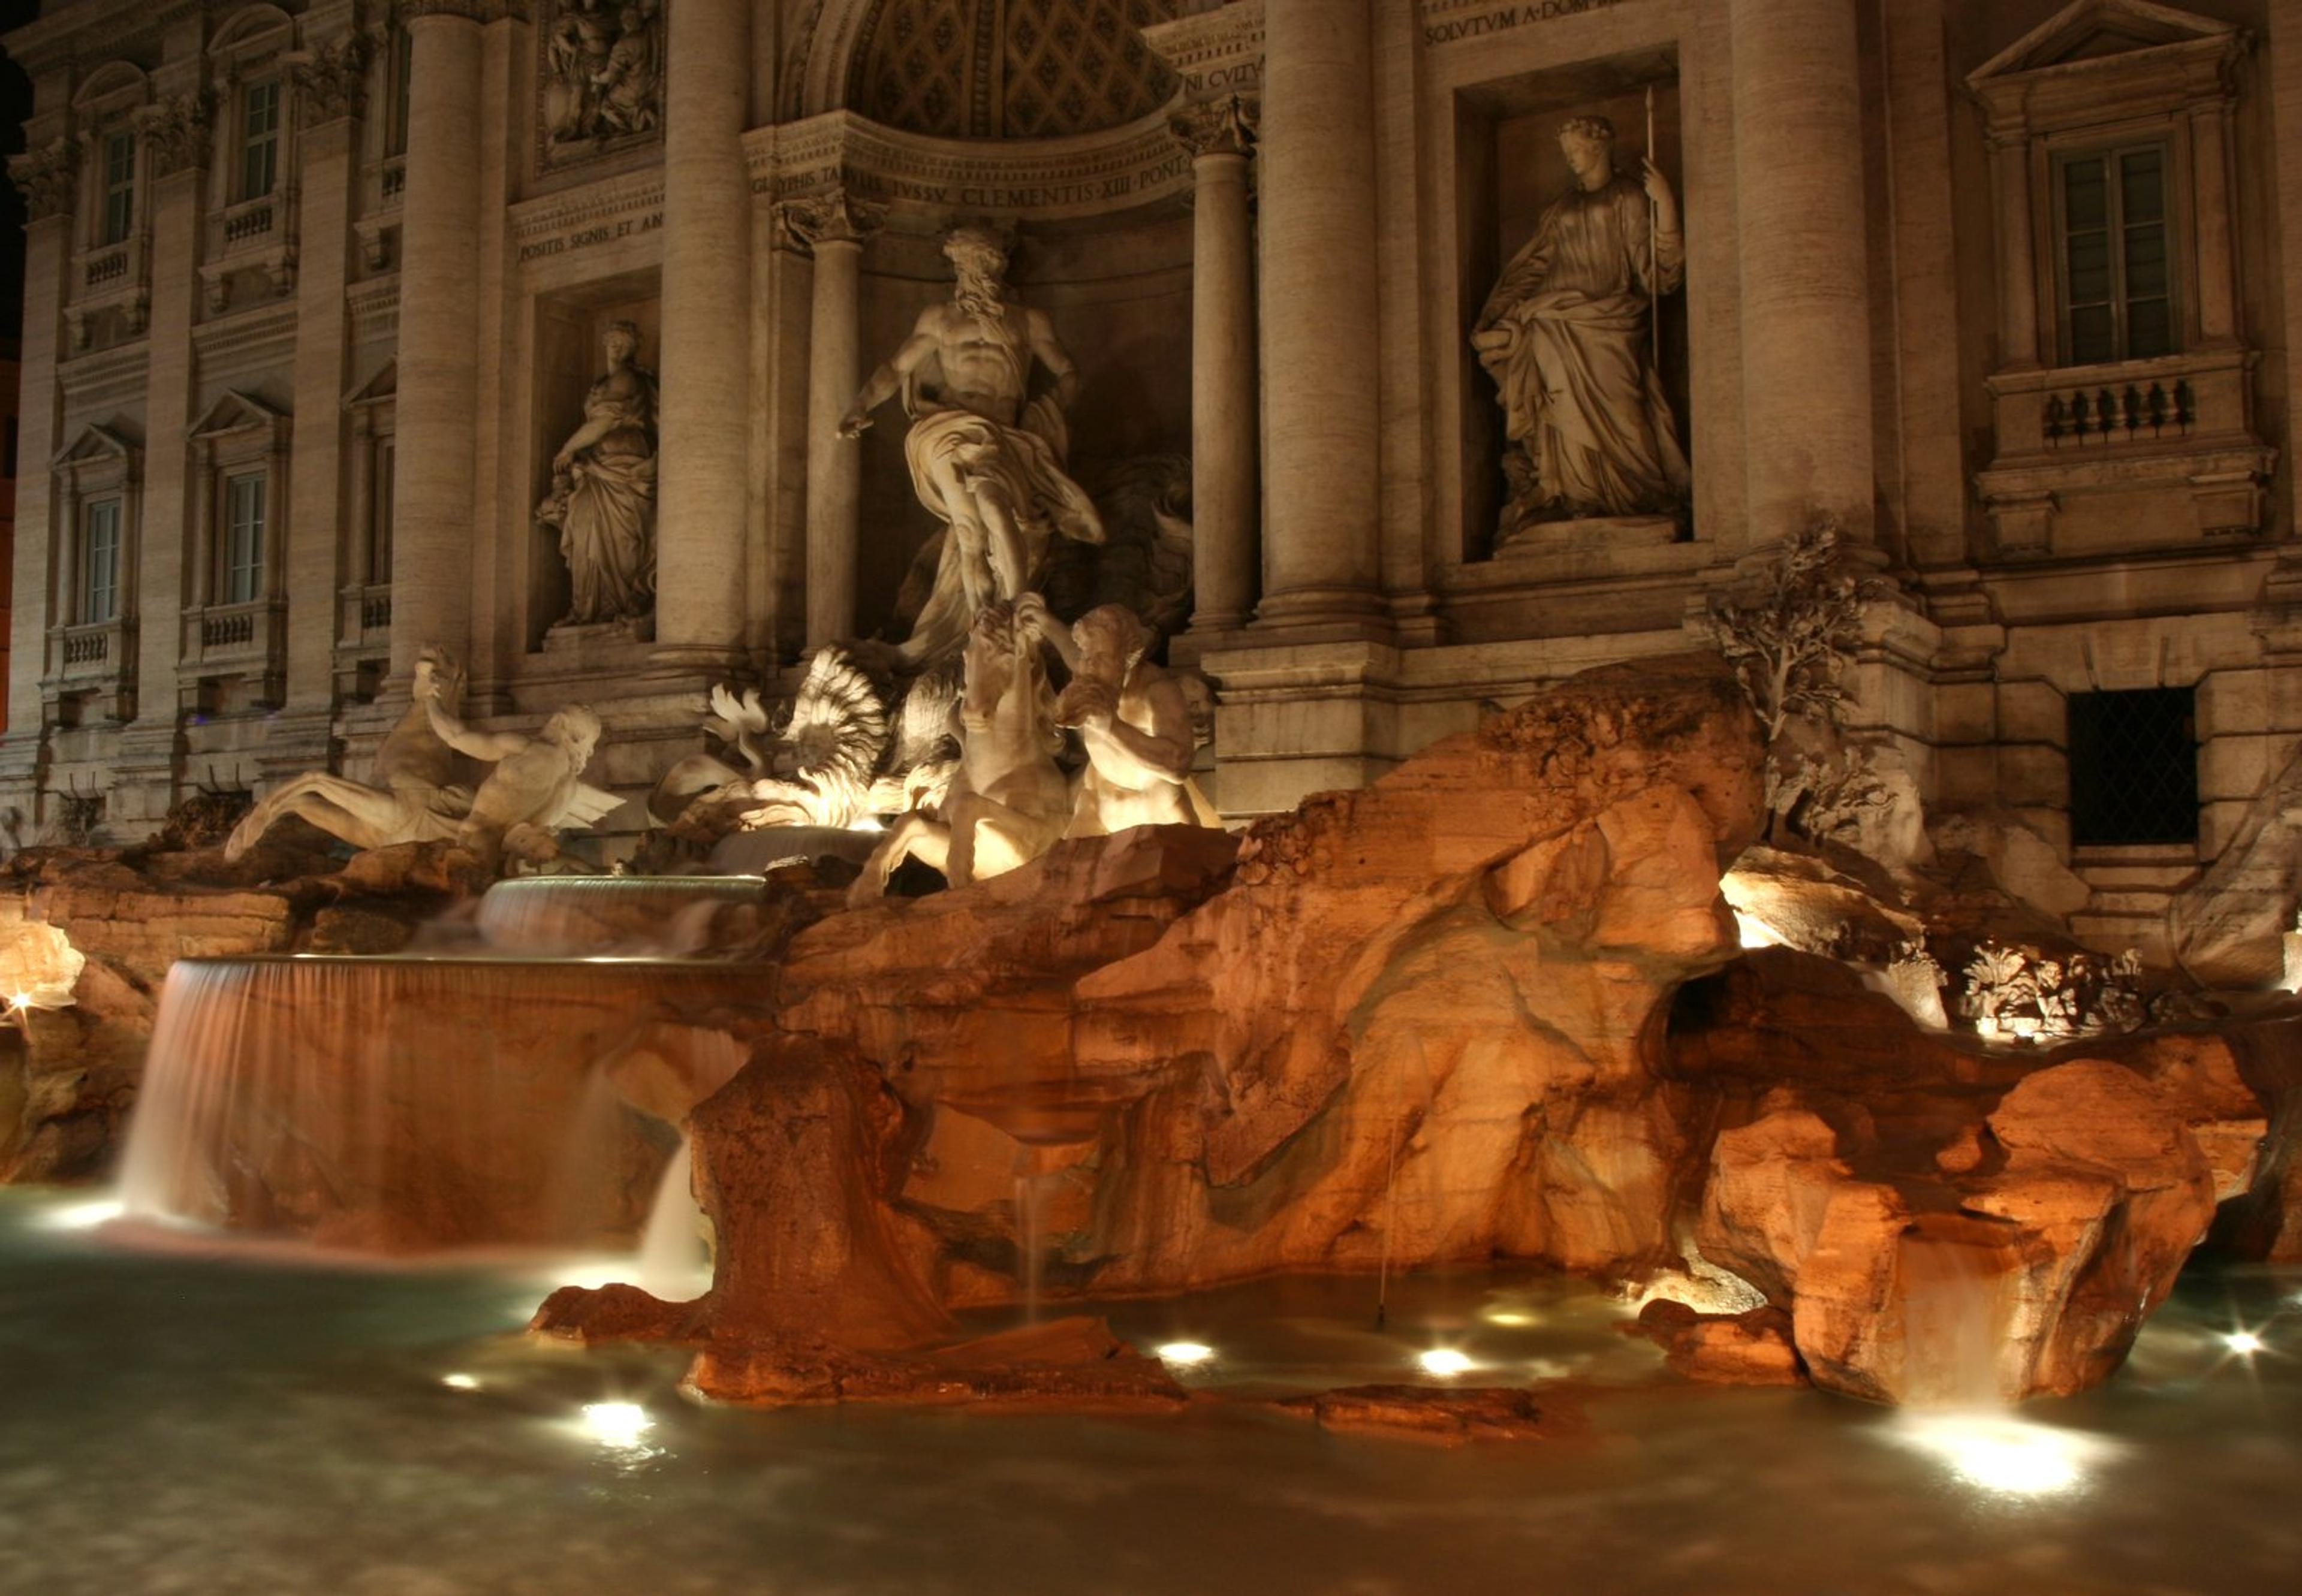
[(617, 1424), (2003, 1455), (1444, 1362), (460, 1382), (2244, 1342), (1184, 1353), (82, 1217)]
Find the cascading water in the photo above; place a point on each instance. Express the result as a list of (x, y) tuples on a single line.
[(674, 1251), (1952, 1313), (409, 1103)]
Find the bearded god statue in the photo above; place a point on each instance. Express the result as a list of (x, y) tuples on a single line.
[(986, 456), (1567, 335)]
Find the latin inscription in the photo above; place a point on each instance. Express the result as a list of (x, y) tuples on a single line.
[(589, 238), (1505, 17)]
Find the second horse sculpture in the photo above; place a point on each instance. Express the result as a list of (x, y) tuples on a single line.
[(1009, 802)]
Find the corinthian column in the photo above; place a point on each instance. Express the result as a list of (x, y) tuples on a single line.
[(706, 380), (438, 353), (836, 226), (1220, 136), (1806, 308), (1319, 318)]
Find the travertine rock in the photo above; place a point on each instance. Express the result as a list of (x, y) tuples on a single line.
[(1747, 1348)]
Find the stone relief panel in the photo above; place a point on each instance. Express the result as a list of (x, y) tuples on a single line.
[(600, 77), (1578, 326)]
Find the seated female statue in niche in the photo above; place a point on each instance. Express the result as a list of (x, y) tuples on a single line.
[(602, 498), (1569, 337)]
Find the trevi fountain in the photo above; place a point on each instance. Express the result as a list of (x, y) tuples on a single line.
[(899, 942)]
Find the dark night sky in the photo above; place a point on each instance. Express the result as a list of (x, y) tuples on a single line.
[(16, 104)]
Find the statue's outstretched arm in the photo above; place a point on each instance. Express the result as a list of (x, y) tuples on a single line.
[(490, 746)]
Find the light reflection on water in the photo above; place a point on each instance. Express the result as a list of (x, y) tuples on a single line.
[(186, 1423)]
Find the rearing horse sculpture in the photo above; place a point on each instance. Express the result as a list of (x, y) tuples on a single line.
[(1009, 802), (412, 799)]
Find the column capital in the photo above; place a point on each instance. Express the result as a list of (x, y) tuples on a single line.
[(331, 79), (176, 133), (1224, 127), (833, 217), (46, 177)]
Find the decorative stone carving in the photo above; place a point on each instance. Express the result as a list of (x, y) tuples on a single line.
[(176, 133), (412, 799), (985, 456), (46, 178), (819, 770), (602, 498), (1131, 715), (1009, 69), (332, 79), (535, 787), (602, 74), (2018, 993), (1567, 335), (1008, 801), (1224, 127)]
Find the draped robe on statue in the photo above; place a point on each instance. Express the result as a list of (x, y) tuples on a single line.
[(606, 516), (1022, 464), (1567, 337)]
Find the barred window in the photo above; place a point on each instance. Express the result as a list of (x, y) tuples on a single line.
[(2134, 768)]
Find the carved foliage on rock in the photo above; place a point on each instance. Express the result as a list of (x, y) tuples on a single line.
[(332, 79)]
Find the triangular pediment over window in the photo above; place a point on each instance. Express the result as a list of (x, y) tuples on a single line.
[(95, 444), (2089, 30), (236, 412), (378, 389)]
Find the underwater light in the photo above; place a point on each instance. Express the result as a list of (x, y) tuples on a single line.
[(2244, 1342), (1514, 1318), (1185, 1353), (2003, 1455), (82, 1217), (1444, 1362), (460, 1382), (617, 1424)]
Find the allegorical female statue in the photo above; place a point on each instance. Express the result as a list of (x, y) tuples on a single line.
[(602, 498), (1568, 338)]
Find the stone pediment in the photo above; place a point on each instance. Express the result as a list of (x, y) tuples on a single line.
[(94, 443), (381, 389), (236, 412), (2092, 31)]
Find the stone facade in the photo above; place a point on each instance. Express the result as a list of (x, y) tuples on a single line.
[(1266, 227)]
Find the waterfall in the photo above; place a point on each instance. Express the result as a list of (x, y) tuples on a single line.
[(1951, 1313), (398, 1104), (675, 1255)]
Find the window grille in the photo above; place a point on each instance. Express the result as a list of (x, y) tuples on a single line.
[(2134, 768)]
